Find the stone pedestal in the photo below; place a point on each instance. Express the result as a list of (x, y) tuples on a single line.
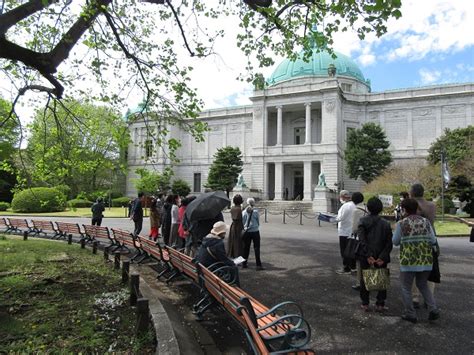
[(323, 200), (242, 191)]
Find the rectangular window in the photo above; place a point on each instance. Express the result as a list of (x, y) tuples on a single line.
[(300, 135), (148, 148), (346, 87), (197, 182)]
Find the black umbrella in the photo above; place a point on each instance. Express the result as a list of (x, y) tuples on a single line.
[(206, 206)]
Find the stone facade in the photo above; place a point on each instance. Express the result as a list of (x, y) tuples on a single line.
[(297, 128)]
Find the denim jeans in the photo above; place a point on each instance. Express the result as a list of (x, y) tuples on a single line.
[(406, 279)]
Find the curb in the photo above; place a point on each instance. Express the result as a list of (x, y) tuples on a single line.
[(165, 336)]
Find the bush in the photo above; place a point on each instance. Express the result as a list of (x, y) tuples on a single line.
[(448, 204), (180, 188), (4, 206), (39, 199), (120, 202), (64, 189), (78, 203)]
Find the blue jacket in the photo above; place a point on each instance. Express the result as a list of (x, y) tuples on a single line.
[(254, 223)]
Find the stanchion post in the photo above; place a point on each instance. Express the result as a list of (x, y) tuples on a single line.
[(134, 287), (83, 243), (301, 217), (284, 216), (143, 316), (25, 235), (266, 220), (69, 239), (116, 260), (94, 247), (125, 271)]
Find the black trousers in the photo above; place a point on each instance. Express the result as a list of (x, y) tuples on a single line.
[(247, 240), (349, 264), (96, 221), (138, 226)]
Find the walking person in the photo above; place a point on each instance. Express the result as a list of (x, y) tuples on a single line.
[(251, 224), (416, 237), (376, 234), (344, 230), (359, 212), (97, 212), (136, 213), (426, 209), (155, 220), (234, 243)]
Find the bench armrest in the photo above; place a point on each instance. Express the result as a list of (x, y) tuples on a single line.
[(296, 336), (280, 310)]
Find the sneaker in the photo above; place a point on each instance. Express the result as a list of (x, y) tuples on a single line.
[(433, 315), (260, 267), (356, 287), (380, 309), (416, 305), (365, 307), (343, 272), (410, 319)]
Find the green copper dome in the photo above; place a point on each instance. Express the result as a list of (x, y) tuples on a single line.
[(316, 66)]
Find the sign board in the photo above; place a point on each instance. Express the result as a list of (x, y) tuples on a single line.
[(387, 200)]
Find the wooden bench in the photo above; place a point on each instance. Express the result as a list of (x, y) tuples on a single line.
[(153, 250), (4, 225), (101, 235), (66, 228), (18, 225), (44, 227), (281, 329), (126, 241), (183, 265)]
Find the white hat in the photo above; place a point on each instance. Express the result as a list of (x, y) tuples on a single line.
[(219, 228)]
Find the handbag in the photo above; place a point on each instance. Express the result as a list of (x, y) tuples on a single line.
[(435, 275), (242, 234), (376, 279)]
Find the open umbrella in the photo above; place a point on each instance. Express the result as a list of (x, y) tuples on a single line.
[(206, 206)]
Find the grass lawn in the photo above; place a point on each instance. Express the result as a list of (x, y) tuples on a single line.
[(78, 212), (451, 228), (58, 298)]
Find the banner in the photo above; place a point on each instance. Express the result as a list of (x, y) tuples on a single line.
[(387, 200)]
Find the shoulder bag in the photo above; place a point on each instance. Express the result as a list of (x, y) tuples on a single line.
[(242, 234)]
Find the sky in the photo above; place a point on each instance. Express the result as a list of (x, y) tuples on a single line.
[(432, 43)]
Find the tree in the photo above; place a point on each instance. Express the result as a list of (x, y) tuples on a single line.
[(180, 187), (9, 138), (462, 187), (152, 182), (227, 165), (85, 155), (51, 46), (458, 145), (366, 153)]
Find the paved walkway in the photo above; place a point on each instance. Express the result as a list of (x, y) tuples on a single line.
[(300, 262)]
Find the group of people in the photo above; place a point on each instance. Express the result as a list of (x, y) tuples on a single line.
[(203, 238), (414, 233)]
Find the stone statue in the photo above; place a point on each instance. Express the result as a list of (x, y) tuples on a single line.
[(240, 181), (322, 180)]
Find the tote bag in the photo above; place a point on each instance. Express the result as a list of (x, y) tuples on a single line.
[(376, 279)]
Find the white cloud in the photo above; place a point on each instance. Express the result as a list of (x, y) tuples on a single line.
[(429, 76)]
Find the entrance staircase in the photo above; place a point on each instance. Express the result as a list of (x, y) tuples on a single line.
[(279, 206)]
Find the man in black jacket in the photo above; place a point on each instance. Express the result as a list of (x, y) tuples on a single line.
[(136, 213), (97, 209)]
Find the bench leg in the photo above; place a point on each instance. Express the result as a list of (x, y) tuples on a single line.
[(202, 306)]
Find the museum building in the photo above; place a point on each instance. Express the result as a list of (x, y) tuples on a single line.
[(297, 127)]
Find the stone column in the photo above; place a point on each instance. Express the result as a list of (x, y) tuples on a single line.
[(410, 129), (439, 127), (279, 125), (308, 173), (308, 123), (279, 181)]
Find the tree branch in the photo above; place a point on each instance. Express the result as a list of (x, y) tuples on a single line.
[(12, 17), (191, 53)]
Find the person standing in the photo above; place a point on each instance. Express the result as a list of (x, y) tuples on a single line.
[(155, 220), (97, 212), (166, 219), (251, 224), (376, 234), (174, 221), (426, 209), (183, 232), (416, 237), (398, 208), (234, 243), (344, 230), (359, 212), (136, 213)]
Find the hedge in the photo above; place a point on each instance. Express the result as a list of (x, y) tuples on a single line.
[(78, 203), (4, 206), (448, 204), (39, 199), (120, 202)]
